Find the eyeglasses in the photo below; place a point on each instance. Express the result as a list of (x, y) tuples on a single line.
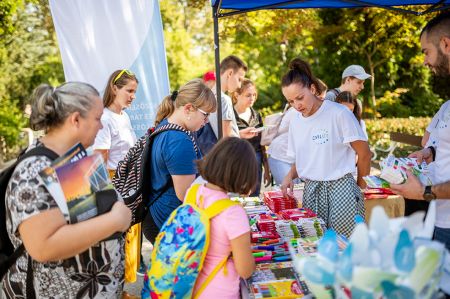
[(129, 73), (205, 114)]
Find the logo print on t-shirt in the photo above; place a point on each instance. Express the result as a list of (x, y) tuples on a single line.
[(320, 137)]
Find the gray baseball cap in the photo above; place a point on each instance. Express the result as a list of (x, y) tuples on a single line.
[(356, 71)]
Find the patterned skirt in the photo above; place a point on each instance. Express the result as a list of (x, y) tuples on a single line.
[(336, 202)]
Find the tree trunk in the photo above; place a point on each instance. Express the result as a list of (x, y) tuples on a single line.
[(372, 83)]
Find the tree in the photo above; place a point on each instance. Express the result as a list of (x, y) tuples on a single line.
[(28, 56), (386, 42)]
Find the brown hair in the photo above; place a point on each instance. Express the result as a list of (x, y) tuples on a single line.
[(231, 165), (244, 85), (300, 73), (348, 77), (347, 97), (321, 86), (194, 92), (232, 62), (125, 77)]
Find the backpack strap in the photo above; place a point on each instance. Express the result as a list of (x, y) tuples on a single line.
[(36, 151), (219, 206), (210, 277), (170, 126), (191, 197), (151, 135)]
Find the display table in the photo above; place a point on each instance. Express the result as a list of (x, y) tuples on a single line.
[(394, 206)]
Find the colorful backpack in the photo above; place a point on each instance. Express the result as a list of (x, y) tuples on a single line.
[(180, 250)]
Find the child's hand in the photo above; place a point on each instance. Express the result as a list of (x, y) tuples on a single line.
[(122, 215)]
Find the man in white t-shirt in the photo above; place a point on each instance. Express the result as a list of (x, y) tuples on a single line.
[(435, 42), (232, 72)]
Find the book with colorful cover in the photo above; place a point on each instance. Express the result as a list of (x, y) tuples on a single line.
[(79, 181), (50, 179), (77, 152), (276, 280)]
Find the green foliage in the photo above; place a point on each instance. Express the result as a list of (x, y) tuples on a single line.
[(11, 123), (28, 56), (386, 43), (379, 129)]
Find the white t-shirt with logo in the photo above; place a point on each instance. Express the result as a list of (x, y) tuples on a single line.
[(441, 134), (321, 143), (116, 136)]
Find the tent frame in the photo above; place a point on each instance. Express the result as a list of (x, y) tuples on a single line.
[(217, 14)]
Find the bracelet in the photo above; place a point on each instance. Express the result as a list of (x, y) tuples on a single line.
[(433, 152)]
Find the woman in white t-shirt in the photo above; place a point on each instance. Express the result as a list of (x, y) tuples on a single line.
[(113, 141), (324, 139), (117, 136)]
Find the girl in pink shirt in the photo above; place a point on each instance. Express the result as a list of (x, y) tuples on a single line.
[(229, 167)]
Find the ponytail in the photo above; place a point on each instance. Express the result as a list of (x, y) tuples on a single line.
[(194, 92), (300, 73), (165, 109)]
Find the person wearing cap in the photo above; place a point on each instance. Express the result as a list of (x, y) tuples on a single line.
[(353, 79), (209, 78)]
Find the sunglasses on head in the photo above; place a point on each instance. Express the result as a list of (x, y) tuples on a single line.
[(129, 73)]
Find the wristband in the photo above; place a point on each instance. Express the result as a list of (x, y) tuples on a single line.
[(433, 152)]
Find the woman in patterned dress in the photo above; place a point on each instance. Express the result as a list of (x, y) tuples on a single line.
[(67, 260)]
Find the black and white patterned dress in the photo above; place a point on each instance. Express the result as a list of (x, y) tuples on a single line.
[(96, 273)]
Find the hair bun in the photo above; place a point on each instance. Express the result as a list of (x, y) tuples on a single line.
[(297, 64)]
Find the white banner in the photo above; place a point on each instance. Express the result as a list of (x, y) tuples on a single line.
[(97, 37)]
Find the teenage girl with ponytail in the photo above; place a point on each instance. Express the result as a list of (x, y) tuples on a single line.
[(173, 153), (324, 139)]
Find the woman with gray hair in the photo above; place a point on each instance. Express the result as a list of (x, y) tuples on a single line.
[(61, 260)]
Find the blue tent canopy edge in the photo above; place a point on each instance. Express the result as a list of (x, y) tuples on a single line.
[(239, 6)]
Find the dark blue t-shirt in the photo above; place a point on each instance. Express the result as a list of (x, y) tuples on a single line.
[(172, 154)]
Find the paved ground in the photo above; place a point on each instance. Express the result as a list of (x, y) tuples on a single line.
[(135, 288)]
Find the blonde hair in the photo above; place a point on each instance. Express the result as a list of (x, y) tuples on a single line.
[(194, 92), (244, 85)]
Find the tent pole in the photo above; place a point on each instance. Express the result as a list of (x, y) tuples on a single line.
[(217, 61)]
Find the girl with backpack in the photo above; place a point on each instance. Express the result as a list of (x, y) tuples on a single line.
[(325, 138), (177, 270), (174, 152), (61, 260)]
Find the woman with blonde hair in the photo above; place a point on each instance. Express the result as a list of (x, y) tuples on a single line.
[(61, 260), (174, 152)]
